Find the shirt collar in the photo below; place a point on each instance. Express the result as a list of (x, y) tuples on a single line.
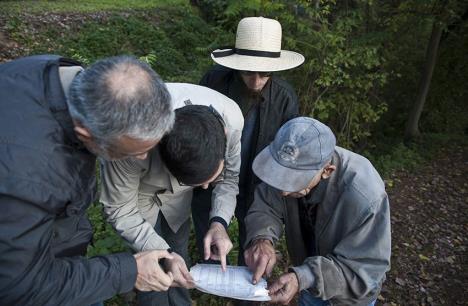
[(317, 194)]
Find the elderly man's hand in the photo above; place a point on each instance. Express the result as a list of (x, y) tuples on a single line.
[(260, 257), (178, 268), (217, 243), (151, 276), (284, 289)]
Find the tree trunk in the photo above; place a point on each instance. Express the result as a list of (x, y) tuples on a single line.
[(412, 129)]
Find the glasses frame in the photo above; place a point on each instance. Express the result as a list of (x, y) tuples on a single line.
[(262, 74)]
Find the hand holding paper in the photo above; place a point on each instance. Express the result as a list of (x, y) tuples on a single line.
[(235, 283)]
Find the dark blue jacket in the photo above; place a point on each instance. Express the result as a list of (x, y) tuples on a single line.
[(279, 104), (47, 180)]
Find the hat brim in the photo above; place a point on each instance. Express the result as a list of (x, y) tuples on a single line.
[(287, 60), (278, 176)]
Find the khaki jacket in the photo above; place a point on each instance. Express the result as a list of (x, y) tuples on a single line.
[(135, 191)]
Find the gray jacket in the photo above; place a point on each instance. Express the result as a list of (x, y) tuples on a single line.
[(135, 191), (352, 231)]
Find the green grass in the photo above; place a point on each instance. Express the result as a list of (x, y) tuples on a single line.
[(391, 155), (85, 6), (176, 39)]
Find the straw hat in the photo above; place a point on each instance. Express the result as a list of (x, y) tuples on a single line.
[(258, 48)]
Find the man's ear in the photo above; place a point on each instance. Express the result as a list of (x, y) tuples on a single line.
[(328, 170), (82, 133)]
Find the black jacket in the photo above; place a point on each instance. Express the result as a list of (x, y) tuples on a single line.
[(47, 180), (278, 106)]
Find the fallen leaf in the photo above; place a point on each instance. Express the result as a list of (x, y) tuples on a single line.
[(400, 281), (422, 257)]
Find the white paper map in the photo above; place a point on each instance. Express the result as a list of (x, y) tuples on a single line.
[(235, 283)]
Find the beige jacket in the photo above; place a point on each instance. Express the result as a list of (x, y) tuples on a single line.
[(135, 191)]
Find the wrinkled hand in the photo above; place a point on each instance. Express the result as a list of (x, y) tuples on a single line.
[(151, 276), (284, 289), (178, 268), (217, 244), (260, 257)]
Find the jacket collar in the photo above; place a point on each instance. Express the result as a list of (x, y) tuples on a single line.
[(59, 108), (164, 176), (330, 195), (238, 86), (317, 194)]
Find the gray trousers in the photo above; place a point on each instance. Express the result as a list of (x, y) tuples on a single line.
[(178, 242)]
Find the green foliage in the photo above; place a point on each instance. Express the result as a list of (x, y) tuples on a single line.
[(176, 50), (105, 240), (446, 107), (83, 6), (392, 154), (363, 61), (341, 80)]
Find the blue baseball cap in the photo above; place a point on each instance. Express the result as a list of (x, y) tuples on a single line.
[(300, 149)]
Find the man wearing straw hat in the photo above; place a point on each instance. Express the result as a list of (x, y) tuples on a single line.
[(332, 205), (244, 74)]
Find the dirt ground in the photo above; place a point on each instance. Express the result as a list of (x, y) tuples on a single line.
[(429, 209)]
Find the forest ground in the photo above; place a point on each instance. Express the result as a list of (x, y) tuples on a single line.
[(429, 212)]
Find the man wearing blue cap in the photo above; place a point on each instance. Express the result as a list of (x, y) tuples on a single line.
[(335, 212)]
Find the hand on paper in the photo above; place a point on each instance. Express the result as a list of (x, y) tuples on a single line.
[(217, 244), (260, 257), (178, 268), (284, 288), (150, 276)]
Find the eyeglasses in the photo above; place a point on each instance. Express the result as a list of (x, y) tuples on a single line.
[(262, 74), (217, 115), (217, 180)]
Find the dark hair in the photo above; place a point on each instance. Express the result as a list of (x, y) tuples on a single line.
[(120, 96), (195, 146)]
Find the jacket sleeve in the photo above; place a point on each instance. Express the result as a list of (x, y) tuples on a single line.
[(357, 264), (31, 275), (225, 192), (119, 194), (265, 217), (291, 106), (205, 80)]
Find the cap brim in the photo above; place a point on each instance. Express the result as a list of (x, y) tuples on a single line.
[(287, 60), (278, 176)]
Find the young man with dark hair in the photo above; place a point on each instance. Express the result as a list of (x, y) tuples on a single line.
[(194, 151), (148, 201), (245, 74)]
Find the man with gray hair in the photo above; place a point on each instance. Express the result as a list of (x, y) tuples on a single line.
[(55, 118), (335, 212)]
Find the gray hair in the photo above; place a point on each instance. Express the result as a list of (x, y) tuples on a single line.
[(121, 96)]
